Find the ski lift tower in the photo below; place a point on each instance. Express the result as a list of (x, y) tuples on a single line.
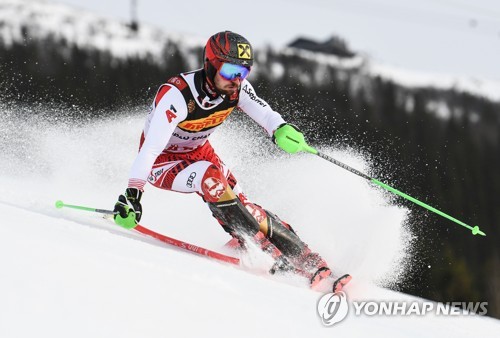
[(134, 23)]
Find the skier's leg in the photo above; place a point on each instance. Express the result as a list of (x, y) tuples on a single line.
[(189, 172), (224, 204), (284, 237), (203, 172)]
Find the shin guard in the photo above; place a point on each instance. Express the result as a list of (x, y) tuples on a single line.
[(283, 237), (234, 217)]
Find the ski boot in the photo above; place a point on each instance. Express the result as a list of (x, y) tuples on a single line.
[(321, 275), (281, 264), (312, 264), (278, 239), (324, 276)]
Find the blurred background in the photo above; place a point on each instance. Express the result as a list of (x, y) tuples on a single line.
[(412, 86)]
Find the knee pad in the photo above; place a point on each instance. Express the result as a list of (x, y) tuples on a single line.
[(213, 184)]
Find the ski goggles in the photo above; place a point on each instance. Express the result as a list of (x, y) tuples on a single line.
[(231, 71)]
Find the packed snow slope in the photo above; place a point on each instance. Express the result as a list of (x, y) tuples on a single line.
[(68, 273)]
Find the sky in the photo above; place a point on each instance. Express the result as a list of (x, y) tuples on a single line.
[(449, 37)]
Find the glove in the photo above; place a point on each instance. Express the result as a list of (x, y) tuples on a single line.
[(289, 138), (128, 208)]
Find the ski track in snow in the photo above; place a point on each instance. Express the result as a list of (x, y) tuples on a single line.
[(68, 273)]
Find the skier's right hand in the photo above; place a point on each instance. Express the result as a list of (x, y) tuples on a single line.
[(289, 138), (128, 208)]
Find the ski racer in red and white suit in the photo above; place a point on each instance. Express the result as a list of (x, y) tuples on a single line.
[(175, 153), (175, 138)]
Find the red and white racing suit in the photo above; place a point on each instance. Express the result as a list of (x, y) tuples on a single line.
[(175, 153)]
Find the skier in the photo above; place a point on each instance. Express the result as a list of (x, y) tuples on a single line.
[(175, 154)]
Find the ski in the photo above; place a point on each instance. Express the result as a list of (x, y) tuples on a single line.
[(187, 246), (234, 244), (340, 282), (316, 280), (337, 283), (324, 280)]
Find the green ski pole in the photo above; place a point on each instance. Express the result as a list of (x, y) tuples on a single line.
[(128, 222), (305, 147), (60, 204)]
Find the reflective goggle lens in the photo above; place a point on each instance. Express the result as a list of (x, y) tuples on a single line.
[(231, 72)]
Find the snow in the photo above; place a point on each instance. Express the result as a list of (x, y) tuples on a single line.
[(83, 28), (486, 88), (480, 87), (331, 60), (68, 273)]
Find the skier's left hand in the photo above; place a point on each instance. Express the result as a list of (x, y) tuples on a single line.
[(289, 138)]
